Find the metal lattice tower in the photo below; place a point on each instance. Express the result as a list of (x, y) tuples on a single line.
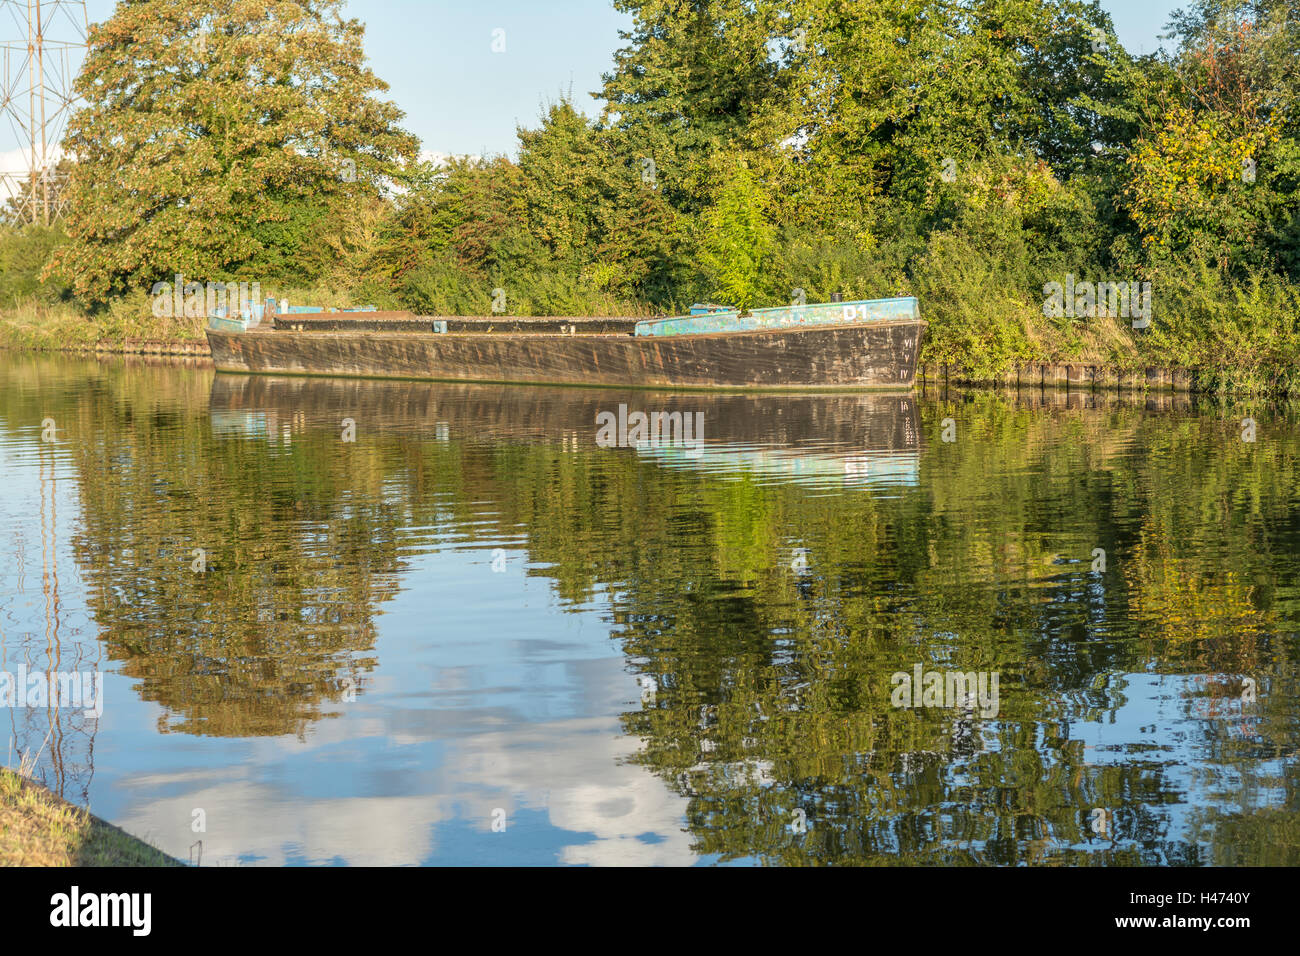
[(42, 43)]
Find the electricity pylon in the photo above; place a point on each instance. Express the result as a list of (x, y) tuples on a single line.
[(42, 43)]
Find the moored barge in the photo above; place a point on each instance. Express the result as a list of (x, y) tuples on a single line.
[(853, 345)]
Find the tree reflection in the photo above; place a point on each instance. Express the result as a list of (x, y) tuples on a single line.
[(766, 598)]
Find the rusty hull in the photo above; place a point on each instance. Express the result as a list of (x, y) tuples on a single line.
[(867, 356)]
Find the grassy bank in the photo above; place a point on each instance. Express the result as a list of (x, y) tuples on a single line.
[(58, 327), (39, 829), (31, 324), (1240, 337)]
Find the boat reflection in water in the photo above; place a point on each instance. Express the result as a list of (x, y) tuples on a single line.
[(799, 466), (825, 440)]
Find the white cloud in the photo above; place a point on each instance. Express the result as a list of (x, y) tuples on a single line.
[(14, 167), (577, 771)]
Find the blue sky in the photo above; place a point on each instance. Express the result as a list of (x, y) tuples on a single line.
[(461, 97)]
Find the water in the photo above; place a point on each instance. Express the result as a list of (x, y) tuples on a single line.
[(474, 636)]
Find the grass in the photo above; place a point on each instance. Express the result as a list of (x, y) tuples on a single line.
[(39, 829), (38, 326), (45, 328)]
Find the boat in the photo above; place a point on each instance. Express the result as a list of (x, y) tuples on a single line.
[(868, 344), (241, 320), (705, 319)]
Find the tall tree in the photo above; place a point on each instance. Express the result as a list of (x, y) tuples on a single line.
[(690, 82), (595, 208), (216, 136)]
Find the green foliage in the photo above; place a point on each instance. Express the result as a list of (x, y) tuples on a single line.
[(980, 307), (689, 85), (590, 207), (736, 238), (822, 266), (967, 153), (217, 138), (1244, 334), (24, 251)]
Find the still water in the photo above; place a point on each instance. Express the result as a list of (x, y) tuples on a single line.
[(474, 635)]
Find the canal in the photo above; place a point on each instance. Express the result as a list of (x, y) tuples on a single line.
[(350, 622)]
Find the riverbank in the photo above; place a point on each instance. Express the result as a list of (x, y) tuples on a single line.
[(1070, 376), (1109, 360), (39, 829), (131, 329)]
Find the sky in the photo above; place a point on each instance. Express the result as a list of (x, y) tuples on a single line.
[(462, 97)]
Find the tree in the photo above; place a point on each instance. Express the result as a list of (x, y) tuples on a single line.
[(877, 97), (217, 137), (737, 238), (1217, 178), (595, 209), (24, 251), (693, 78)]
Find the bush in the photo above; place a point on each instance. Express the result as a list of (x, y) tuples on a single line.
[(1243, 335), (24, 253), (979, 315)]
